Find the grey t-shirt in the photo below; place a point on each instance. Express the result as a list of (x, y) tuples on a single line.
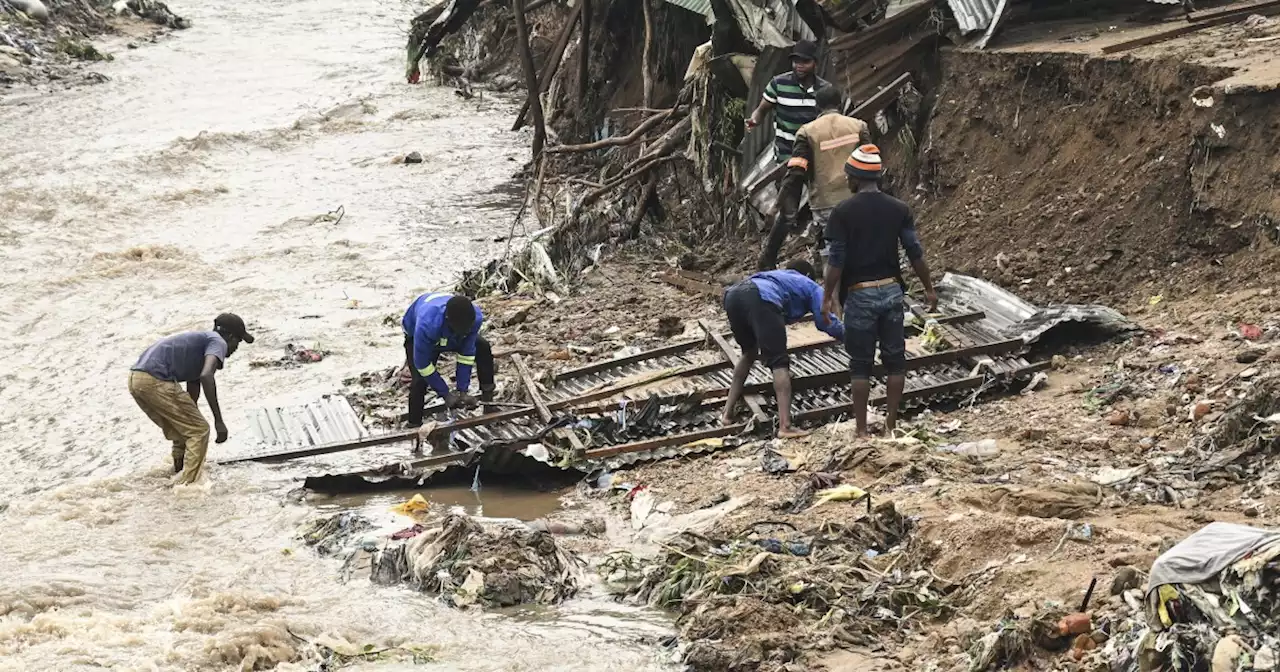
[(180, 358)]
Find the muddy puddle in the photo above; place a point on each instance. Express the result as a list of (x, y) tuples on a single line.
[(197, 180), (488, 501)]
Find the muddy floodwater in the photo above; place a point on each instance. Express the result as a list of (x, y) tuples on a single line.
[(196, 181)]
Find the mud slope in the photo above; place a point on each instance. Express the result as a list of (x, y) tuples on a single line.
[(1078, 178)]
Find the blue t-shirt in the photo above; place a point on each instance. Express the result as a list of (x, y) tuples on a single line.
[(797, 296), (180, 358)]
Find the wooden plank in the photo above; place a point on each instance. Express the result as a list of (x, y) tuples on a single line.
[(1255, 8), (754, 401), (1197, 23), (770, 177), (881, 98), (673, 349), (531, 389), (663, 442), (882, 31), (327, 448), (682, 282)]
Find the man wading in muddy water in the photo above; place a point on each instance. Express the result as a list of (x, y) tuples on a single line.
[(193, 358), (759, 309), (437, 323), (863, 235)]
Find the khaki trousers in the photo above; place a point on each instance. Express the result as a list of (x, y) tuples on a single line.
[(171, 408)]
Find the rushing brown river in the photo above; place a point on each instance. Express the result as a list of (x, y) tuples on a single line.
[(194, 182)]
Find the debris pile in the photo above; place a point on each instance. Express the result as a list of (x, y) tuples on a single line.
[(1232, 446), (755, 599), (467, 563), (292, 357), (1211, 604)]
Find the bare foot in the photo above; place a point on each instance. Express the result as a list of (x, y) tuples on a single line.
[(792, 433), (726, 420)]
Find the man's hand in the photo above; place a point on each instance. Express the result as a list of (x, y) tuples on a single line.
[(831, 306), (221, 430), (406, 375), (931, 297), (750, 123)]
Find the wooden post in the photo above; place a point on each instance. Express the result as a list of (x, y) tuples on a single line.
[(584, 50), (553, 63), (646, 64), (530, 77), (535, 397)]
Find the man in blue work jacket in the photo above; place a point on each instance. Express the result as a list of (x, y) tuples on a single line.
[(759, 309), (437, 323)]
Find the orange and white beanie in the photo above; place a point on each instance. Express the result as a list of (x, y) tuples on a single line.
[(864, 163)]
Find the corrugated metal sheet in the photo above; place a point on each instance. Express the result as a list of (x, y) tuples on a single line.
[(990, 327), (973, 15), (1011, 317), (327, 420), (702, 7)]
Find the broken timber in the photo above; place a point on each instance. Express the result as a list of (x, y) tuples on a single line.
[(531, 389), (681, 280)]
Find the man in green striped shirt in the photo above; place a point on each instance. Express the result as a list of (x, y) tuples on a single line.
[(791, 96)]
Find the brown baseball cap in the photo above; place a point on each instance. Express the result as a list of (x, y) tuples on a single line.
[(233, 325)]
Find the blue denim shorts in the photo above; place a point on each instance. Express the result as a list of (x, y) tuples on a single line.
[(874, 316)]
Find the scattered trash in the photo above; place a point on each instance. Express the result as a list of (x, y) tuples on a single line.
[(293, 355), (466, 563), (1075, 624), (1037, 381), (978, 449), (842, 493), (1250, 332), (413, 157), (837, 594), (414, 508), (1083, 532), (409, 532), (1112, 475), (642, 503)]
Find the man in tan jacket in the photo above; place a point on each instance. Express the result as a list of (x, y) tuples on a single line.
[(818, 159)]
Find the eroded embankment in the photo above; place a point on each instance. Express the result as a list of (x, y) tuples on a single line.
[(1099, 179)]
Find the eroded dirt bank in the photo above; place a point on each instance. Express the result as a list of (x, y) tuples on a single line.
[(1080, 178)]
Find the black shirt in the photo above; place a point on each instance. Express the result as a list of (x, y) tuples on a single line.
[(864, 232)]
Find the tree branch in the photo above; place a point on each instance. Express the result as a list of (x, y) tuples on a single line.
[(616, 140)]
